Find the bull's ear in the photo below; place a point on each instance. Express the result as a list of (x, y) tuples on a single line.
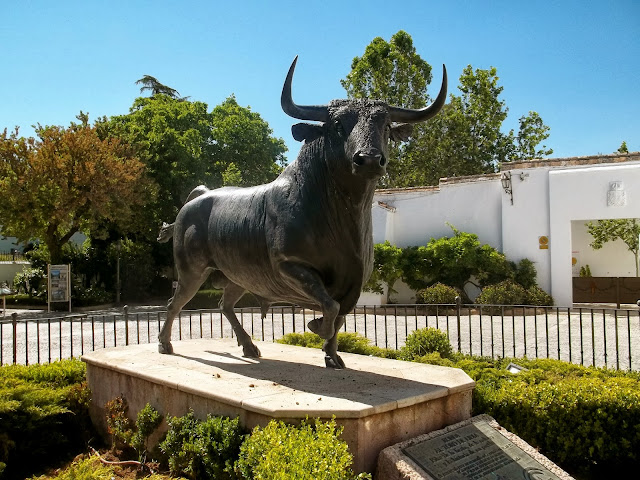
[(401, 132), (306, 131)]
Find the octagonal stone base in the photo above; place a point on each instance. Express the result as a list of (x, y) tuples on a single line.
[(380, 402)]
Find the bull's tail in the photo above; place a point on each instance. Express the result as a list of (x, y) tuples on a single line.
[(166, 232)]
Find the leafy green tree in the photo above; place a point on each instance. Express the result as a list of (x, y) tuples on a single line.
[(625, 229), (152, 85), (243, 139), (394, 73), (531, 133), (184, 145), (68, 180), (623, 147), (386, 268), (390, 71), (453, 261), (465, 138)]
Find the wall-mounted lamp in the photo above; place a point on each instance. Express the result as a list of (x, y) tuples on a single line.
[(506, 184)]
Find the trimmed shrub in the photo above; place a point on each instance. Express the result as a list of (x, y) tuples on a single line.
[(347, 342), (437, 293), (425, 341), (308, 452), (503, 293), (203, 449), (44, 417), (578, 416), (536, 296)]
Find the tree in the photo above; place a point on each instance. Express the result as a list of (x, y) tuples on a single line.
[(67, 180), (531, 133), (453, 261), (392, 72), (386, 268), (183, 146), (465, 138), (243, 141), (623, 147), (626, 229), (152, 85)]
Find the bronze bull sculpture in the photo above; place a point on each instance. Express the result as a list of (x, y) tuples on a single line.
[(306, 237)]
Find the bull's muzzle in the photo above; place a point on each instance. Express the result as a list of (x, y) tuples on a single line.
[(370, 162)]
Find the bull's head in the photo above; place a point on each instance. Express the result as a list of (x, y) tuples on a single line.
[(358, 131)]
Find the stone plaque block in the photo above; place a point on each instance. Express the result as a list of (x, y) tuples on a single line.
[(477, 449)]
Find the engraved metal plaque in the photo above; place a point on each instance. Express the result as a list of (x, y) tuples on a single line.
[(476, 452)]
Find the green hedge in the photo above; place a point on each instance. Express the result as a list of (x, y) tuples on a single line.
[(576, 415), (44, 416), (583, 418)]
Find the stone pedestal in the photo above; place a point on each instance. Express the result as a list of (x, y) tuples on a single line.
[(379, 402)]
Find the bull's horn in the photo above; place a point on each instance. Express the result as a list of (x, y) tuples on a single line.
[(318, 113), (407, 115)]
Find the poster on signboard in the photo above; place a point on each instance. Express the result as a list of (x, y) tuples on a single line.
[(60, 284)]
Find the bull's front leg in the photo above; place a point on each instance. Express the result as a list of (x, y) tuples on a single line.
[(330, 347), (305, 280)]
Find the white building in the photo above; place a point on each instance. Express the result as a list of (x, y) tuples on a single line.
[(539, 214)]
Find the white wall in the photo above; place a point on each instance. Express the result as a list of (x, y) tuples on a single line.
[(551, 200), (583, 193), (613, 260), (471, 206), (524, 222)]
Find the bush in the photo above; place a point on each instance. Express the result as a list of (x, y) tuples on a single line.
[(525, 273), (31, 281), (44, 417), (89, 468), (425, 341), (437, 294), (203, 449), (347, 342), (536, 296), (307, 452), (503, 293), (577, 416)]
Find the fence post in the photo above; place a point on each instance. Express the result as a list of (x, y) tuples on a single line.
[(14, 323), (126, 324), (458, 304)]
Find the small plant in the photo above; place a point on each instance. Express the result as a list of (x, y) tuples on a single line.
[(146, 423), (585, 271), (202, 449), (437, 294), (426, 341), (119, 425), (308, 452)]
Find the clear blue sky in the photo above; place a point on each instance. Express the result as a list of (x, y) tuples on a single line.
[(577, 63)]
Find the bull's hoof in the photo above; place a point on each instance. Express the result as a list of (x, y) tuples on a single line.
[(250, 351), (334, 362), (165, 348), (320, 327)]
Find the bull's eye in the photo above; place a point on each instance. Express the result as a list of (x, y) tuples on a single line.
[(339, 127)]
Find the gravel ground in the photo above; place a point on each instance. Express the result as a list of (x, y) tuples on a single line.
[(601, 336)]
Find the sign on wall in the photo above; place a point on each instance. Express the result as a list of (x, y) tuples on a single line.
[(59, 284)]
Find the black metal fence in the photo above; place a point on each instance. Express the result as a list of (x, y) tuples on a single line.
[(602, 337)]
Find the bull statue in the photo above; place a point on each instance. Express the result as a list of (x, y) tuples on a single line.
[(306, 237)]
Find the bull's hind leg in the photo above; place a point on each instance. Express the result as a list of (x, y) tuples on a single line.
[(232, 294), (188, 286), (330, 347)]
